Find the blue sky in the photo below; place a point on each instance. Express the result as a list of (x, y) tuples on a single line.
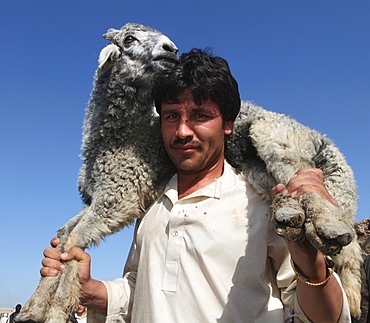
[(307, 59)]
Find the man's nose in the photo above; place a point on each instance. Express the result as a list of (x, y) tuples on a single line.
[(184, 129)]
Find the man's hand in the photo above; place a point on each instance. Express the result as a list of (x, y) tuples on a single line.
[(54, 261), (93, 292), (304, 181), (291, 214)]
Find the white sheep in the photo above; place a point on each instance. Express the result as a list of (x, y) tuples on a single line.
[(125, 169)]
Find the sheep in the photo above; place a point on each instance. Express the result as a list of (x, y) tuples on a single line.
[(121, 174), (125, 168), (268, 148)]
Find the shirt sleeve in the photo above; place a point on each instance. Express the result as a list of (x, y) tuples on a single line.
[(120, 294), (121, 290), (290, 299)]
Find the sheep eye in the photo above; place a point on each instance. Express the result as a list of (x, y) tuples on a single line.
[(129, 40)]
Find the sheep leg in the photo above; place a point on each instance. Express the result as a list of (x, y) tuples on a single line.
[(326, 228), (312, 217), (66, 297), (90, 229), (64, 232), (37, 307), (332, 232), (289, 217), (67, 294), (56, 297)]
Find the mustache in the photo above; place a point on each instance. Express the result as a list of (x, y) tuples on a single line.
[(185, 141)]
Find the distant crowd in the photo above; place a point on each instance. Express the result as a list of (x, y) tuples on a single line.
[(6, 318)]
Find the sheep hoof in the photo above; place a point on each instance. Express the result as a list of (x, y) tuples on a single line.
[(329, 238), (290, 234), (290, 217), (338, 235), (289, 223)]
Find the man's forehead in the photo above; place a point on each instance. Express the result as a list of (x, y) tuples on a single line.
[(187, 104), (187, 95)]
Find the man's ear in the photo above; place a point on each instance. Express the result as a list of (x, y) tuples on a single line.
[(228, 127)]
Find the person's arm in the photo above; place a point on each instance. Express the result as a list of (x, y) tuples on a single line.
[(322, 303), (93, 292)]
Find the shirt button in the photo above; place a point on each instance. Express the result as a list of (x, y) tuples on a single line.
[(175, 234)]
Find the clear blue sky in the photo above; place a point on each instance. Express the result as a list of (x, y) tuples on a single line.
[(307, 59)]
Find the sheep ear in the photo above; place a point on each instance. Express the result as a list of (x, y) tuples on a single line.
[(111, 33), (107, 57)]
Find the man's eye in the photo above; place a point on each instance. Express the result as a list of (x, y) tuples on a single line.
[(170, 116), (200, 115), (129, 40)]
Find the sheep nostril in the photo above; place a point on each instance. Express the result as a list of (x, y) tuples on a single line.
[(169, 48)]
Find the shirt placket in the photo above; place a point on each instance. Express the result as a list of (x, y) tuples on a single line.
[(175, 241)]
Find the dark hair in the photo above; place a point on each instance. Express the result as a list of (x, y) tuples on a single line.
[(207, 76)]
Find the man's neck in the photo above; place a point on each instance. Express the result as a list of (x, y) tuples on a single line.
[(82, 315), (190, 182)]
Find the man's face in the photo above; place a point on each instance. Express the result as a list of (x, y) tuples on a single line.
[(193, 135), (80, 309)]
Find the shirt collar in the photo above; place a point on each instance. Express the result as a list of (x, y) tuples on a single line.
[(212, 190)]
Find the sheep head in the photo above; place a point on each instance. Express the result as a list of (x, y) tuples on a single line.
[(142, 49)]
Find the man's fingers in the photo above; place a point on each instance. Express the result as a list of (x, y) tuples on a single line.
[(52, 253), (310, 172), (52, 263), (306, 180), (54, 242), (277, 189), (48, 272), (77, 254), (83, 260)]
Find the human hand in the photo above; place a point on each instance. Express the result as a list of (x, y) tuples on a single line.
[(52, 264), (93, 292), (54, 261), (304, 181)]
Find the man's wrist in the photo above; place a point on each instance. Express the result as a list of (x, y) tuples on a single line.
[(93, 294), (310, 262), (330, 271)]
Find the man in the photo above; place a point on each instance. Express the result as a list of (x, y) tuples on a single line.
[(80, 315), (12, 316), (207, 251)]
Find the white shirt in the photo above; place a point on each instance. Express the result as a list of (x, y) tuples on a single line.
[(212, 256), (81, 319)]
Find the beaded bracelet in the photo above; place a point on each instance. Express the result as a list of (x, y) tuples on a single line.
[(330, 265)]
